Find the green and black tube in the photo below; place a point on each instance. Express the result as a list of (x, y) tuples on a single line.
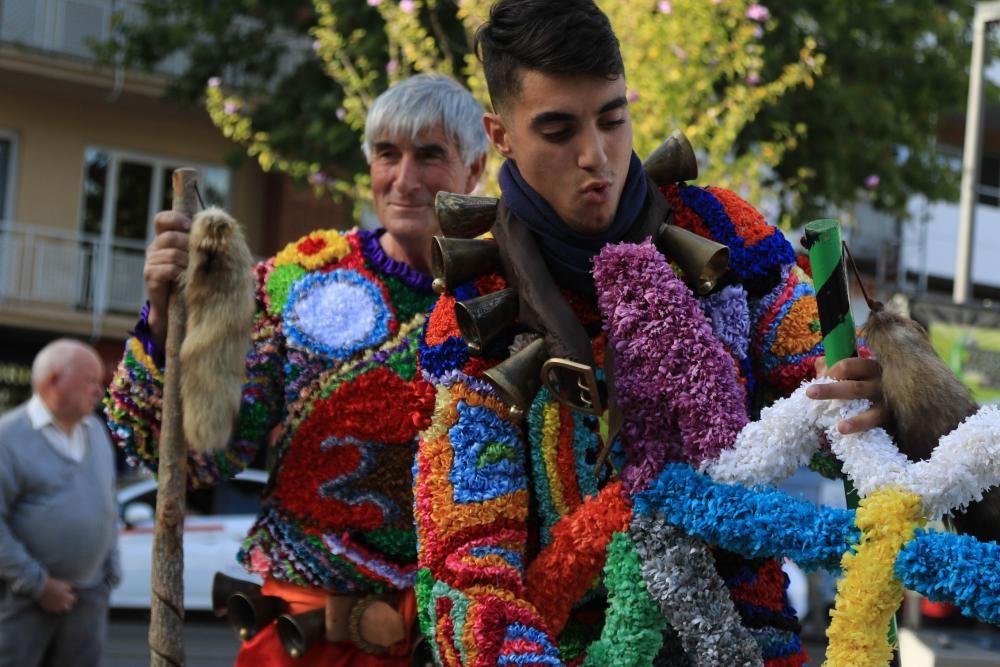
[(826, 254)]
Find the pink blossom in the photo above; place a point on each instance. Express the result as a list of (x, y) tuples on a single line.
[(407, 6), (633, 96), (665, 7), (758, 12), (341, 113), (391, 66), (214, 82), (317, 178), (231, 107), (317, 45), (753, 79), (758, 32), (680, 53), (374, 3), (872, 181)]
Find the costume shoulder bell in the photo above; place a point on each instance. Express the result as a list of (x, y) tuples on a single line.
[(460, 255), (343, 619)]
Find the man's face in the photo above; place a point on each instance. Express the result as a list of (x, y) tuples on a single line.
[(571, 137), (79, 387), (406, 175)]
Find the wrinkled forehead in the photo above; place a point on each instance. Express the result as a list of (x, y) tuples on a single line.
[(407, 131)]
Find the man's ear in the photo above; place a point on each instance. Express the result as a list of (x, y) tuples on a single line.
[(496, 130), (476, 173)]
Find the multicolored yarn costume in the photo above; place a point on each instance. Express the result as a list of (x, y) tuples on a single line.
[(510, 511), (332, 380)]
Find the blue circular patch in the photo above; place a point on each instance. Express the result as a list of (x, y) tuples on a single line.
[(336, 314)]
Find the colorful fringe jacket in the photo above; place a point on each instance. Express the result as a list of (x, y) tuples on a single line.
[(514, 524), (331, 381)]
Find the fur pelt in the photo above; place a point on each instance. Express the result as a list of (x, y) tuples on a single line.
[(926, 401), (219, 302)]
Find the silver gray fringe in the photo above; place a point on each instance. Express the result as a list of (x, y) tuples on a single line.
[(680, 575)]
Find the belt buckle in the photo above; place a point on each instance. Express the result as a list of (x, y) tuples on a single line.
[(587, 395)]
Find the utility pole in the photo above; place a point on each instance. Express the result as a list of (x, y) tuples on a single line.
[(986, 13)]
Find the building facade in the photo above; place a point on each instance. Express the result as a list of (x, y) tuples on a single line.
[(86, 156)]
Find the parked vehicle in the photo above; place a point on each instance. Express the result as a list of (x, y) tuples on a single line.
[(217, 520)]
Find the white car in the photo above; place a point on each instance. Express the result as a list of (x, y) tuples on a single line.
[(217, 520)]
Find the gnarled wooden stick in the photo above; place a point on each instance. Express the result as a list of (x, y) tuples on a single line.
[(166, 628)]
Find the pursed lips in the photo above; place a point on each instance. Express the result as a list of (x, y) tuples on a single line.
[(596, 192), (596, 185)]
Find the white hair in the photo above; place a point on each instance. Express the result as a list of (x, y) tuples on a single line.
[(57, 355), (422, 102)]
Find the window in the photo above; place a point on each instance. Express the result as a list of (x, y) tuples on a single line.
[(8, 167), (989, 180), (8, 148), (988, 187), (121, 193)]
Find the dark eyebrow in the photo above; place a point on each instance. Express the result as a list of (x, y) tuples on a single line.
[(616, 103), (384, 145), (547, 117), (432, 148)]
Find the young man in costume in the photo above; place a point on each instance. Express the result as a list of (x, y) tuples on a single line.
[(331, 374), (509, 546)]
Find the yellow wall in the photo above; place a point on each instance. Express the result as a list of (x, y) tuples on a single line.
[(55, 121)]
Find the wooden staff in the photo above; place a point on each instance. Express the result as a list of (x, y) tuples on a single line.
[(166, 628)]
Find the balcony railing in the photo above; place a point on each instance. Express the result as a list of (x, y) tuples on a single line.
[(67, 27), (54, 268)]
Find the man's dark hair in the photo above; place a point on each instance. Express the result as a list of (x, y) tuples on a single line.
[(549, 36)]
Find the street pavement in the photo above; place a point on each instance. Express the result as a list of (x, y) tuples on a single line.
[(208, 642)]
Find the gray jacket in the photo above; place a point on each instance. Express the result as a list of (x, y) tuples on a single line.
[(57, 517)]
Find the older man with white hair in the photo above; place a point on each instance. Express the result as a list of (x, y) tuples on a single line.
[(58, 516), (332, 384)]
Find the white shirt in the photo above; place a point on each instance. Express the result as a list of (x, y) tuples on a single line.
[(72, 446)]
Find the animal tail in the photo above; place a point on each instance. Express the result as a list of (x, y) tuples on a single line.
[(219, 300)]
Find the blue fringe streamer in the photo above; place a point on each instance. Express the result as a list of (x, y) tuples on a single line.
[(755, 523)]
